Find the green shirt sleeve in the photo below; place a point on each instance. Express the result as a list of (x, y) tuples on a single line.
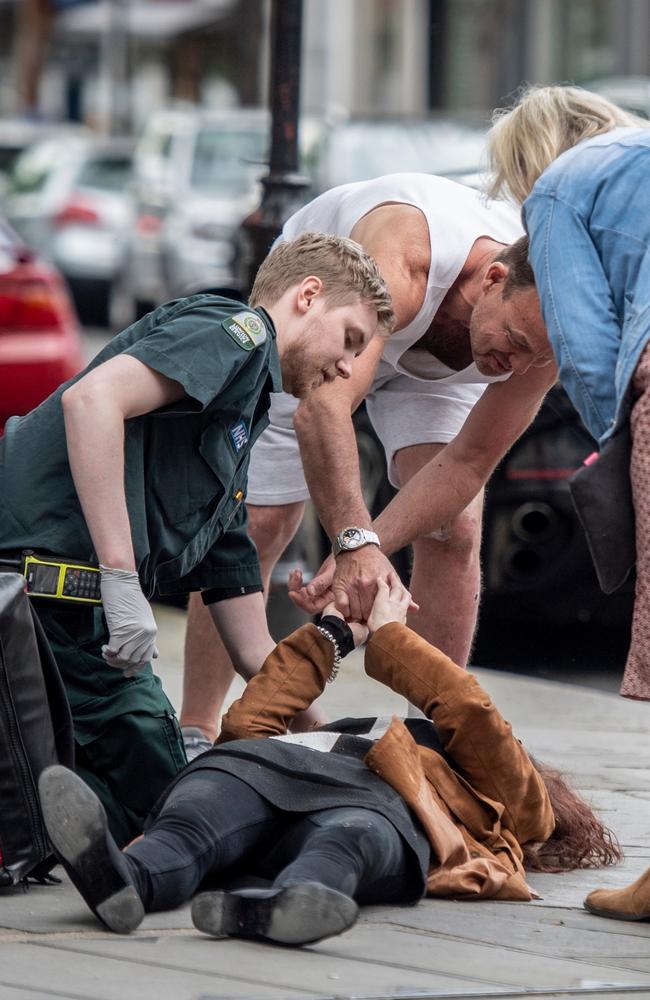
[(188, 342), (231, 562)]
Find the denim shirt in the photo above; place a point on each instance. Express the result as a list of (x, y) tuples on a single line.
[(588, 219)]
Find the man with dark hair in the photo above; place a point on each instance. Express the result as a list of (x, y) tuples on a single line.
[(520, 274), (448, 393)]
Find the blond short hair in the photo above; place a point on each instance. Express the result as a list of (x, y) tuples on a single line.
[(545, 122), (344, 267)]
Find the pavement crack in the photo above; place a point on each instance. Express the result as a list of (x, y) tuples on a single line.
[(232, 977)]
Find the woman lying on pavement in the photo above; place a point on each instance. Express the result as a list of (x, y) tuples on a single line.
[(354, 813)]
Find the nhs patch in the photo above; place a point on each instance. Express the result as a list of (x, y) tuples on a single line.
[(239, 435)]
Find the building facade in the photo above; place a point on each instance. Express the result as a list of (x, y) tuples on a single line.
[(107, 60)]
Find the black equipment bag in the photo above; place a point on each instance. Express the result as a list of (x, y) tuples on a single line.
[(35, 731)]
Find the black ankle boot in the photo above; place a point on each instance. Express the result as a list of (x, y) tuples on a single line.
[(296, 914), (78, 829)]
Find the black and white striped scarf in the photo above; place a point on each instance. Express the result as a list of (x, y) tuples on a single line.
[(354, 737)]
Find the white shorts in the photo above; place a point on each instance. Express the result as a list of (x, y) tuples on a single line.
[(404, 411)]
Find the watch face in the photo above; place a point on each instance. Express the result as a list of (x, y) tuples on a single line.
[(351, 538)]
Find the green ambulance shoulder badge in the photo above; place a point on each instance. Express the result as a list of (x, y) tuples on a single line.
[(246, 329)]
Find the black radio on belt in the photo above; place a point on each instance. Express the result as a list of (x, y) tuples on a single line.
[(61, 579)]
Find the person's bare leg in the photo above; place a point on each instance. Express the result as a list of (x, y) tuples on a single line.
[(446, 578), (208, 671)]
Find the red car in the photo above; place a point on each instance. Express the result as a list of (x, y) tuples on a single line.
[(40, 339)]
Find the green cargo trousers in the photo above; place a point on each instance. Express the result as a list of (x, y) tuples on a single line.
[(128, 743)]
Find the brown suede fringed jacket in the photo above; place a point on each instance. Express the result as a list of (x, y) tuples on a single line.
[(476, 813)]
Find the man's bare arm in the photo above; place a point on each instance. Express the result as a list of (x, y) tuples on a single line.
[(437, 493), (328, 446), (397, 237), (444, 487), (95, 409), (243, 627)]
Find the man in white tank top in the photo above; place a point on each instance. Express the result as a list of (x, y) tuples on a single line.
[(429, 397)]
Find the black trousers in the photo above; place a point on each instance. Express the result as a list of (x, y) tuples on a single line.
[(215, 824)]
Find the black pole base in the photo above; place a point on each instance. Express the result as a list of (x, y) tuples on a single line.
[(283, 195)]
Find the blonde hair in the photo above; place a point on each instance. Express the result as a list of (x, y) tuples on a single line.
[(346, 270), (545, 122)]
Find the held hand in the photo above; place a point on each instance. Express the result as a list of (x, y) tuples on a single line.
[(391, 603), (312, 597), (355, 581), (359, 629), (131, 624)]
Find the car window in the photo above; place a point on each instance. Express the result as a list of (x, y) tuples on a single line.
[(228, 159), (110, 174), (36, 165), (8, 156), (28, 177)]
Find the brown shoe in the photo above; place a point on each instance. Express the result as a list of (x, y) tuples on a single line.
[(632, 903)]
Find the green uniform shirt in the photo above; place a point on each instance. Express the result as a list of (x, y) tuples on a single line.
[(186, 464)]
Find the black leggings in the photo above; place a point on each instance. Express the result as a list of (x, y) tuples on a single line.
[(212, 822)]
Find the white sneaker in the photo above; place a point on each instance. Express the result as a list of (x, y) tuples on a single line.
[(195, 742)]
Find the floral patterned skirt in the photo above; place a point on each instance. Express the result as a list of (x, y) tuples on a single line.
[(636, 679)]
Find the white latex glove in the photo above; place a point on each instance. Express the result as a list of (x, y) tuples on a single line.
[(131, 625)]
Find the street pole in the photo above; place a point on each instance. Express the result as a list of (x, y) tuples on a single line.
[(115, 69), (283, 187)]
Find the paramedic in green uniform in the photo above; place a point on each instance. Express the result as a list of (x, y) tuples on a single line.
[(140, 464)]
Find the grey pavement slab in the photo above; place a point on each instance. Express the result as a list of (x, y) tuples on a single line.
[(482, 962), (8, 992), (557, 932), (52, 947), (141, 970), (310, 970)]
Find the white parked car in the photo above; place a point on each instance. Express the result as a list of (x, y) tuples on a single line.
[(196, 177), (69, 197), (358, 150)]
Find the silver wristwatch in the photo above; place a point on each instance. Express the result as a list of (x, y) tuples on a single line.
[(353, 538)]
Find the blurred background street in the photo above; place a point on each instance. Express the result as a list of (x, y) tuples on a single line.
[(134, 138)]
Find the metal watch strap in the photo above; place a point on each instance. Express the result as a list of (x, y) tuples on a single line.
[(369, 538)]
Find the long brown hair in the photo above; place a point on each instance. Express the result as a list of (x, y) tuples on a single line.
[(580, 839)]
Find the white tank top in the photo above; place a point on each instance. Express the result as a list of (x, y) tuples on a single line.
[(456, 216)]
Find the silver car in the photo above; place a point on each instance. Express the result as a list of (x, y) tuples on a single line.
[(219, 189), (196, 177), (358, 150), (69, 197)]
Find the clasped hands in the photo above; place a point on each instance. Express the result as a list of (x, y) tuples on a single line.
[(361, 587)]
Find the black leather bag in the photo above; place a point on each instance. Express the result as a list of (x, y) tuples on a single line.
[(602, 497), (35, 731)]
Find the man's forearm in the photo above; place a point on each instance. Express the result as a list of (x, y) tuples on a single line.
[(244, 631), (436, 495), (330, 459), (95, 440)]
